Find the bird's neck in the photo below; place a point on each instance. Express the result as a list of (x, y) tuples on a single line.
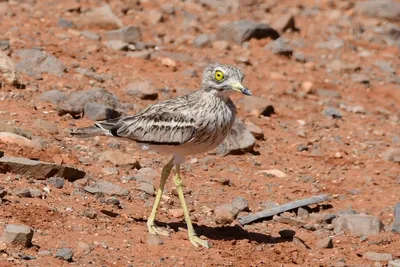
[(224, 96)]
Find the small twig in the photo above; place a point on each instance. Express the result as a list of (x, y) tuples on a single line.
[(282, 208)]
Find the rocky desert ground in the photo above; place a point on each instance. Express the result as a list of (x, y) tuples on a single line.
[(324, 119)]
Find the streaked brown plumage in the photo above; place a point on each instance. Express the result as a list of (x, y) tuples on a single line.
[(183, 126)]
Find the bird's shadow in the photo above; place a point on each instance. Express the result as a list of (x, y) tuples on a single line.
[(226, 233)]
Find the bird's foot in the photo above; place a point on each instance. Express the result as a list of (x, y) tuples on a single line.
[(197, 241), (153, 229)]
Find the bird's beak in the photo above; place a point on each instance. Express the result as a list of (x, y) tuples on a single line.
[(238, 87)]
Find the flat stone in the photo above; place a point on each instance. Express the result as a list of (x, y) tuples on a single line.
[(44, 253), (358, 224), (385, 9), (239, 140), (34, 62), (106, 188), (280, 46), (374, 256), (325, 243), (273, 173), (18, 140), (240, 204), (76, 102), (102, 17), (65, 254), (331, 44), (144, 90), (17, 234), (99, 112), (38, 169), (90, 35), (360, 78), (119, 158), (144, 54), (258, 106), (290, 221), (244, 30)]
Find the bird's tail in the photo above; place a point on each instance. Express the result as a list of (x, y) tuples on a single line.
[(98, 129)]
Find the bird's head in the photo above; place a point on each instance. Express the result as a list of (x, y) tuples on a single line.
[(223, 80)]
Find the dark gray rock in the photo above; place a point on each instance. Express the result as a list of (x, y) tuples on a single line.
[(35, 62), (34, 193), (244, 30), (93, 75), (238, 141), (113, 201), (286, 233), (280, 46), (57, 182), (98, 112), (128, 34), (52, 96), (38, 169), (142, 89), (65, 254), (385, 9), (358, 224), (301, 148), (106, 188), (17, 234), (332, 112), (77, 100), (203, 40)]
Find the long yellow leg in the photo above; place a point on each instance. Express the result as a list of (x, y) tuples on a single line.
[(194, 239), (150, 221)]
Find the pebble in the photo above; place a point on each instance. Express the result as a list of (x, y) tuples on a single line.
[(395, 263), (280, 46), (34, 62), (147, 188), (284, 22), (104, 187), (144, 90), (119, 158), (57, 182), (154, 240), (325, 243), (286, 233), (44, 253), (102, 17), (203, 40), (385, 9), (176, 213), (332, 112), (91, 214), (127, 35), (392, 155), (65, 254)]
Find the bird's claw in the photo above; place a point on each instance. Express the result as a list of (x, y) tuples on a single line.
[(156, 231), (197, 241)]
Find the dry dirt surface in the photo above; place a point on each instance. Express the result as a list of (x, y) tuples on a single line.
[(325, 116)]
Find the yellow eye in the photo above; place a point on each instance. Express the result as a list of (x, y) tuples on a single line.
[(219, 75)]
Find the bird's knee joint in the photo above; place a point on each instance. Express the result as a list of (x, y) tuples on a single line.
[(178, 181)]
